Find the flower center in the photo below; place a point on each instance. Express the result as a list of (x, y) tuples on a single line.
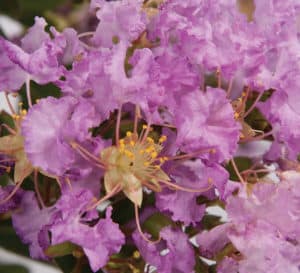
[(134, 163)]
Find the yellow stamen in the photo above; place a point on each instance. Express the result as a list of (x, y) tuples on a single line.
[(154, 155), (149, 139), (162, 139), (136, 254)]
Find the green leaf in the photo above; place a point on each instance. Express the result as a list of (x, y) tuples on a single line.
[(156, 222), (60, 250)]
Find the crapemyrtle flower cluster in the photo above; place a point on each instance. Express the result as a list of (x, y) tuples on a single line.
[(157, 104)]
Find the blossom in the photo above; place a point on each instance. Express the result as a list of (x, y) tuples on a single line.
[(173, 254), (57, 122), (30, 224), (98, 241), (13, 202), (191, 174), (206, 120), (36, 59), (120, 20), (269, 214)]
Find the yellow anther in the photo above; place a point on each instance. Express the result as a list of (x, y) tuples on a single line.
[(145, 127), (129, 154), (20, 104), (142, 152), (157, 167), (146, 164), (149, 139), (128, 134), (122, 146), (162, 139), (236, 115), (136, 254), (244, 94), (212, 151), (37, 100), (165, 158), (154, 154), (17, 117), (8, 169), (149, 150), (242, 135), (161, 160), (24, 112), (132, 143)]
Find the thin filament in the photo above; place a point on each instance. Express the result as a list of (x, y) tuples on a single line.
[(86, 154), (262, 136), (190, 155), (253, 105), (229, 89), (9, 129), (28, 92), (113, 192), (137, 115), (118, 125), (237, 171), (84, 34), (37, 189), (7, 198), (138, 224), (11, 108), (177, 187)]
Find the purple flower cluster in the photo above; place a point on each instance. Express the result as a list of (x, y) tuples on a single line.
[(155, 105)]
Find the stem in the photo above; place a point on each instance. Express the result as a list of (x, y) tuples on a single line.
[(253, 105), (10, 106), (28, 92), (237, 171)]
